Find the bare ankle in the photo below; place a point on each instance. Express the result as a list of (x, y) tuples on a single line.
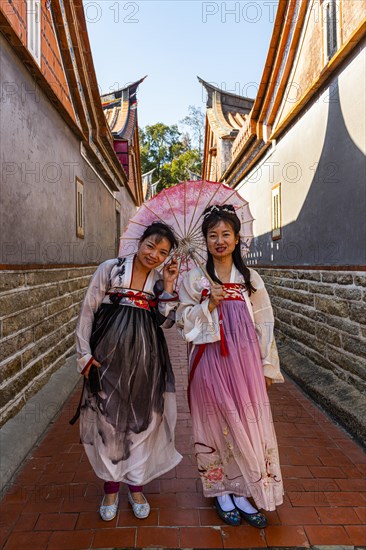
[(110, 499), (138, 497)]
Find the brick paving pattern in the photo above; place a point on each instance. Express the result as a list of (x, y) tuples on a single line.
[(54, 501)]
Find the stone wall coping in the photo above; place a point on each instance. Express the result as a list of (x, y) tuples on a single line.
[(31, 345), (338, 399), (41, 267), (21, 433)]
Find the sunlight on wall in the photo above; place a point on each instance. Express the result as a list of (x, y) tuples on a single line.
[(352, 93)]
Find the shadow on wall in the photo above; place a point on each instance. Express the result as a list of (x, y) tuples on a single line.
[(331, 226)]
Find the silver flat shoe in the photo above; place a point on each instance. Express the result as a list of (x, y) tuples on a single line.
[(107, 513), (141, 511)]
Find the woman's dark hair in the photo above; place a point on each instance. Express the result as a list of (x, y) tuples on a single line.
[(160, 231), (226, 213)]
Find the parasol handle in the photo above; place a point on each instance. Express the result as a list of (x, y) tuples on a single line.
[(203, 269)]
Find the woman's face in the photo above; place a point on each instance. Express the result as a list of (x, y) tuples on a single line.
[(151, 253), (221, 240)]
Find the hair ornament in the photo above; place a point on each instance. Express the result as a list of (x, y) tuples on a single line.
[(217, 208)]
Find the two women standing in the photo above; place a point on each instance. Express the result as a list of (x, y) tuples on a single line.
[(128, 428)]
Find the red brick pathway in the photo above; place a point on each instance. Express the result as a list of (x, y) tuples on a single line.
[(54, 501)]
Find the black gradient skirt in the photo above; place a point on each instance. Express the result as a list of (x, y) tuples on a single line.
[(128, 428)]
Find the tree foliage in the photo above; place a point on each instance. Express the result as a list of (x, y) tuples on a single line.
[(170, 151), (195, 120)]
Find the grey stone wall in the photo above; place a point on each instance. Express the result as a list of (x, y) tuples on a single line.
[(38, 309), (321, 316)]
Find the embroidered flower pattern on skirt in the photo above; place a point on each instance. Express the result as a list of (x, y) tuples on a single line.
[(268, 477), (213, 473)]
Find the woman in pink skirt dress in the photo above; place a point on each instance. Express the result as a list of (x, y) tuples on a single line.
[(233, 362)]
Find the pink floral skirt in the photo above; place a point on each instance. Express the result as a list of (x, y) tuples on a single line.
[(235, 441)]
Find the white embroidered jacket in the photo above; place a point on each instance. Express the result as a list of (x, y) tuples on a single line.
[(109, 276), (197, 325)]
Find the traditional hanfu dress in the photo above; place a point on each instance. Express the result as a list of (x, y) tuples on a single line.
[(128, 428), (234, 349)]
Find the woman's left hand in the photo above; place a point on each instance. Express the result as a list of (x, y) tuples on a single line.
[(269, 382), (170, 273)]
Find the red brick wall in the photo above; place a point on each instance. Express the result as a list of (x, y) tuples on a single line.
[(310, 56), (16, 13), (51, 64)]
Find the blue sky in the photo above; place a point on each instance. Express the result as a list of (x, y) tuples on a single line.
[(225, 43)]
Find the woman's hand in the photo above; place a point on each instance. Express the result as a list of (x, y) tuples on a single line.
[(94, 362), (269, 382), (170, 273), (217, 294)]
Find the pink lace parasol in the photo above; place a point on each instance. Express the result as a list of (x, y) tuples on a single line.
[(181, 207)]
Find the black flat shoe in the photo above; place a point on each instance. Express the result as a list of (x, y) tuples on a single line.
[(256, 520), (231, 518)]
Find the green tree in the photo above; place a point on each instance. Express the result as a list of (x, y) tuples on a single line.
[(159, 144), (170, 151), (190, 160), (177, 170)]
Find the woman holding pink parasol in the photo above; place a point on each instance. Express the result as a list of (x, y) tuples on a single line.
[(127, 422), (226, 313)]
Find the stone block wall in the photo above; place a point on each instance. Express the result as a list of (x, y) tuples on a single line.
[(38, 312), (321, 315)]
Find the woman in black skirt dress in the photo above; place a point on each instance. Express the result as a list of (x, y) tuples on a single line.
[(127, 428)]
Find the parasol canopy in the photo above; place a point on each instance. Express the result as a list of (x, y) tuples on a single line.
[(181, 207)]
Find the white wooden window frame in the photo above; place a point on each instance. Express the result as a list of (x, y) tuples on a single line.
[(276, 212), (80, 210), (34, 29)]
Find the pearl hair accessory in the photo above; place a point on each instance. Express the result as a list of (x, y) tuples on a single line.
[(228, 208)]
